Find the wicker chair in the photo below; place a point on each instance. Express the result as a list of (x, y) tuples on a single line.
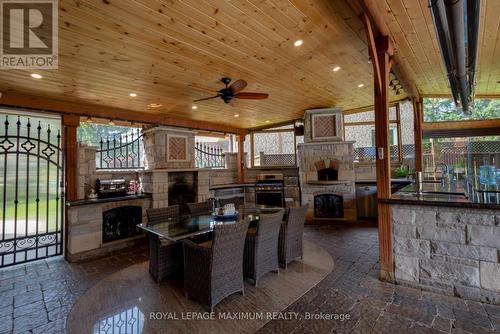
[(215, 271), (165, 257), (290, 240), (261, 247), (201, 208)]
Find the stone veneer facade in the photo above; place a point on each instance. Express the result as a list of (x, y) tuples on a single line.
[(454, 251), (85, 228), (308, 154)]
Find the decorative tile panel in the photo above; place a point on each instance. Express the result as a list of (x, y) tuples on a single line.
[(324, 126), (177, 147)]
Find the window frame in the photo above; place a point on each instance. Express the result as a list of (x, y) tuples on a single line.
[(397, 122), (271, 129)]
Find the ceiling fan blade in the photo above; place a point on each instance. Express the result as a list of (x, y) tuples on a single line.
[(206, 98), (237, 86), (251, 96), (231, 102)]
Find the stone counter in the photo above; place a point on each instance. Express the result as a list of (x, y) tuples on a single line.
[(454, 251), (85, 228)]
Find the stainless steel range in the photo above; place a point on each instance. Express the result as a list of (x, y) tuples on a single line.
[(270, 190)]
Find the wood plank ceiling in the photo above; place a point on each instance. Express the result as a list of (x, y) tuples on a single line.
[(172, 52), (411, 27)]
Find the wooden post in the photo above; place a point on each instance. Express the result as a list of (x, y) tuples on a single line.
[(384, 51), (70, 123), (240, 137), (417, 121)]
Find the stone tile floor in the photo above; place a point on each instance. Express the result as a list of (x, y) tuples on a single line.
[(37, 297)]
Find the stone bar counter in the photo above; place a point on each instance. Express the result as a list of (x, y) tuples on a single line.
[(446, 242)]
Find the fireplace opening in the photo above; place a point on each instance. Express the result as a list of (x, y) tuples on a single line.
[(121, 223), (182, 189), (330, 173), (328, 206)]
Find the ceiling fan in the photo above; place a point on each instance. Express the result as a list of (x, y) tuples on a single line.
[(233, 91)]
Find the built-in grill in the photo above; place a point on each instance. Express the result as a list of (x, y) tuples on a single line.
[(110, 188), (270, 190)]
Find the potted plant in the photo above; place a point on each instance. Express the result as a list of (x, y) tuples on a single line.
[(402, 171)]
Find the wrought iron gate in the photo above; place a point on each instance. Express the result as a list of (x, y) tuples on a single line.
[(31, 171)]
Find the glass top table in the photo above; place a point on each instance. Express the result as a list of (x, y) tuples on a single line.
[(187, 226)]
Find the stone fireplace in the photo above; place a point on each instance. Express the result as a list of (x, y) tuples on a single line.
[(328, 205), (326, 167)]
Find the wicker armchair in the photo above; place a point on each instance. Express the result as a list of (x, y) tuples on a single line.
[(215, 271), (261, 247), (290, 240), (201, 208), (165, 257)]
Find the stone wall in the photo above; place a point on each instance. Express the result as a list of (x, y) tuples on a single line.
[(85, 228), (158, 152), (454, 251), (309, 154)]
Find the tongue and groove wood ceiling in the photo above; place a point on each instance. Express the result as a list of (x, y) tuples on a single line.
[(172, 52)]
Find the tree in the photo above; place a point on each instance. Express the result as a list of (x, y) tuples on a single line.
[(92, 133), (438, 109)]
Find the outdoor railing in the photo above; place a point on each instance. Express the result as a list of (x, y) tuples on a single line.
[(123, 152), (209, 156)]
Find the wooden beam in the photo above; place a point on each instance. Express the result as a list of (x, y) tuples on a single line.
[(372, 50), (383, 163), (417, 122), (448, 96), (401, 67), (90, 110), (457, 125), (241, 157)]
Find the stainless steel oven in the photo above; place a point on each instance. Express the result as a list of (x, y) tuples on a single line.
[(270, 190)]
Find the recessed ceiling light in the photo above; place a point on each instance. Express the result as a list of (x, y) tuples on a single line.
[(133, 94), (36, 76), (336, 68), (267, 121), (194, 107), (236, 115), (154, 105), (361, 85), (298, 42)]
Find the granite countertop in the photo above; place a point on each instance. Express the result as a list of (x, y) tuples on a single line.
[(375, 181), (106, 200), (232, 185), (451, 195)]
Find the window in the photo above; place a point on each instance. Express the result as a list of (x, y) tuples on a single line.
[(117, 147), (360, 128), (439, 110), (274, 146)]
